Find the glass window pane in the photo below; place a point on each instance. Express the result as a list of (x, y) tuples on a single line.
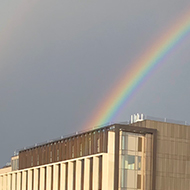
[(139, 163), (131, 162), (140, 144), (128, 162)]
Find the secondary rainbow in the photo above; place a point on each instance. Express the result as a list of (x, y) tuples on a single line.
[(120, 94)]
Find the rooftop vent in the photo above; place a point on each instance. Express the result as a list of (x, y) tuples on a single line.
[(137, 117)]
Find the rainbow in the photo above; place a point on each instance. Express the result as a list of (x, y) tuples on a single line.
[(124, 90)]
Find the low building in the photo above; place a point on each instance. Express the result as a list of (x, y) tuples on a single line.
[(142, 155)]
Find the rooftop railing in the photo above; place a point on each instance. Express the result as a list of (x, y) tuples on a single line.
[(145, 117)]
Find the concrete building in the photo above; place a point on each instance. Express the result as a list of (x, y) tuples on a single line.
[(142, 155)]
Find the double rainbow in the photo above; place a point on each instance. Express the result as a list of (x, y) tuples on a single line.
[(140, 71)]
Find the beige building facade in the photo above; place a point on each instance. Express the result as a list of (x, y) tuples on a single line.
[(143, 155)]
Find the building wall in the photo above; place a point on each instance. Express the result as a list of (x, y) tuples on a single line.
[(73, 147), (93, 172), (173, 154)]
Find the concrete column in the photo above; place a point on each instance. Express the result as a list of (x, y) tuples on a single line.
[(95, 173), (105, 171), (13, 181), (62, 176), (1, 182), (48, 178), (18, 180), (4, 182), (55, 177), (42, 178), (111, 142), (9, 183), (70, 175), (110, 170), (23, 180), (78, 175), (86, 173), (36, 179), (29, 179)]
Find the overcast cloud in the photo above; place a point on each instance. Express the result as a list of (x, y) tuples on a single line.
[(59, 59)]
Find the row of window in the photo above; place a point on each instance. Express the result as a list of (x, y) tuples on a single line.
[(91, 143)]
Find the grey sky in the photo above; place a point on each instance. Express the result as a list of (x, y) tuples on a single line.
[(59, 59)]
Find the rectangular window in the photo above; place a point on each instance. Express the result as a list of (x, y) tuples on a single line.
[(138, 181), (139, 163), (50, 157), (66, 153), (72, 149), (98, 145), (140, 144), (80, 152), (44, 156), (31, 160), (128, 162), (124, 141), (122, 182), (89, 145), (37, 159), (86, 145), (57, 155)]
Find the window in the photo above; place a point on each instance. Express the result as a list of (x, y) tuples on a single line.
[(31, 160), (131, 162), (72, 153), (57, 155), (98, 145), (80, 152), (50, 158), (140, 144), (89, 145), (138, 181), (128, 162), (37, 159), (139, 163), (124, 141)]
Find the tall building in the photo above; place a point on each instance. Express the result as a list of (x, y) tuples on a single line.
[(145, 154)]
